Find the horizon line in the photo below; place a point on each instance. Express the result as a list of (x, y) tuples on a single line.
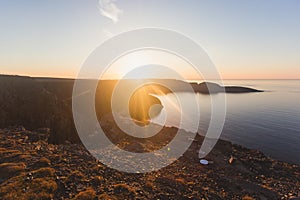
[(69, 78)]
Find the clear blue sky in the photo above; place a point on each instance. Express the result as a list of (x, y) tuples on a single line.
[(245, 39)]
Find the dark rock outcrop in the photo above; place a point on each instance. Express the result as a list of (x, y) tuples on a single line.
[(207, 87), (26, 101)]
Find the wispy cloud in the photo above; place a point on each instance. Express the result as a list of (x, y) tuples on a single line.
[(109, 9), (107, 33)]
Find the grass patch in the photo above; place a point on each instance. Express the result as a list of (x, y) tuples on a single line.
[(106, 197), (42, 162), (8, 170), (42, 186), (44, 172), (123, 188), (88, 194)]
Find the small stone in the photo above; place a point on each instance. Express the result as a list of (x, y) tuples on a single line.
[(231, 159)]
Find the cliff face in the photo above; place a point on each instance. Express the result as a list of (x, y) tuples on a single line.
[(35, 103), (26, 101)]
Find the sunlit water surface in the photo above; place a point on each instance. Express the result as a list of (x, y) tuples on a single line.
[(268, 121)]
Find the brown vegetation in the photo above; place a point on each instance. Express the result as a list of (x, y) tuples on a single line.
[(8, 170), (88, 194), (71, 172)]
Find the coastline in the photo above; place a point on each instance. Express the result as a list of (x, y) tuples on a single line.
[(53, 156)]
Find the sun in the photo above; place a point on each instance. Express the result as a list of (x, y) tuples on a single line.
[(125, 66)]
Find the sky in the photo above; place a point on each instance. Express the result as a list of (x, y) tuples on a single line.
[(245, 39)]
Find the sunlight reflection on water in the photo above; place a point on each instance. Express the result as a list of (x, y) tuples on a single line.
[(268, 121)]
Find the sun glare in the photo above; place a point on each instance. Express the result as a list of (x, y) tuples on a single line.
[(127, 63)]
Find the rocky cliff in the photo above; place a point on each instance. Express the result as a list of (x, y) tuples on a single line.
[(47, 102)]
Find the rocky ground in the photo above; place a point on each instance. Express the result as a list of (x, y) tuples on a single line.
[(30, 168)]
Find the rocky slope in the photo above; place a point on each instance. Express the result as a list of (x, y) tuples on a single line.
[(31, 168)]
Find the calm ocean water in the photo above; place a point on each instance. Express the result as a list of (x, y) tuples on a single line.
[(268, 121)]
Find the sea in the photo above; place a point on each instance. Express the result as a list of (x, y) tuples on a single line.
[(268, 121)]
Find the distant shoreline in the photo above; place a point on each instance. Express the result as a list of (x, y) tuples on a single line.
[(199, 87), (189, 80)]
